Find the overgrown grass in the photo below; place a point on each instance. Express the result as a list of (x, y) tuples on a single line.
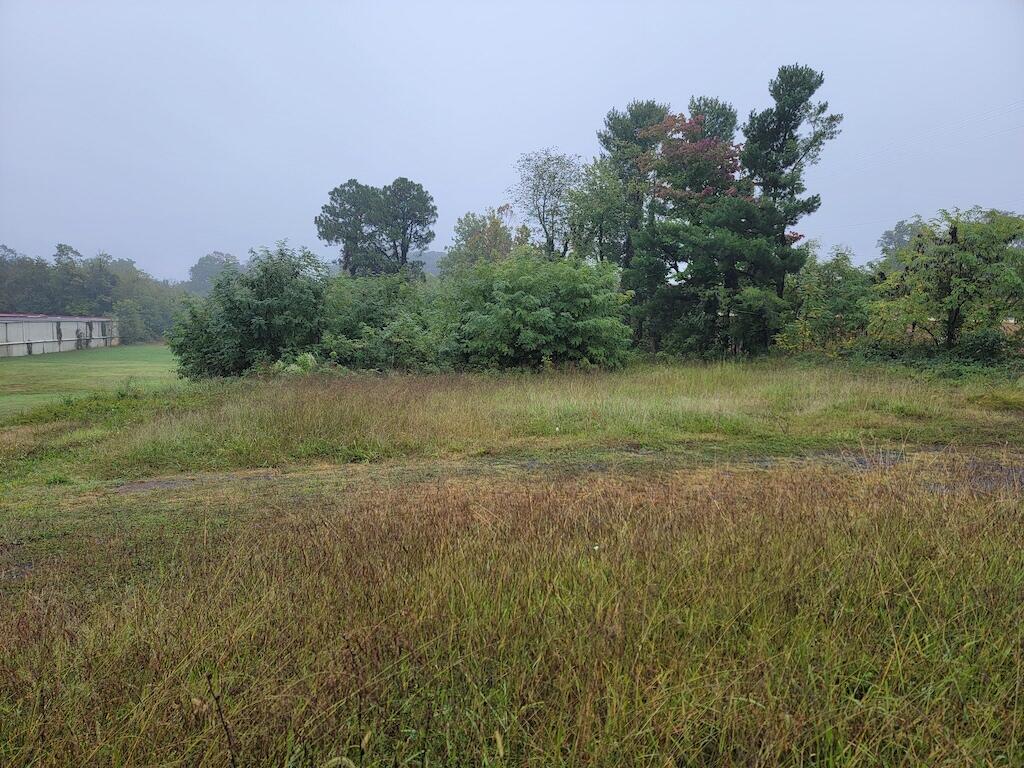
[(764, 408), (517, 570), (707, 617)]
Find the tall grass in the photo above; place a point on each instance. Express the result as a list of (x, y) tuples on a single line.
[(791, 616), (732, 408), (517, 570)]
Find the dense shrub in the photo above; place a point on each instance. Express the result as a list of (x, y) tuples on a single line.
[(756, 318), (528, 312), (524, 312), (828, 305), (986, 345), (272, 309), (384, 323)]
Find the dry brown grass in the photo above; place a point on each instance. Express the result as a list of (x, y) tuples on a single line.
[(799, 614), (560, 569)]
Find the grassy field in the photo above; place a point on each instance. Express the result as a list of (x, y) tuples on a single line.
[(27, 382), (734, 564)]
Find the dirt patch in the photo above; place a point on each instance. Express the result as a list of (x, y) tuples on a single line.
[(977, 473), (986, 477), (867, 461), (991, 475), (154, 485), (16, 572), (187, 481)]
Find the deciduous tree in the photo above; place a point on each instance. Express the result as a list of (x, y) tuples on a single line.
[(377, 227), (964, 274), (207, 269), (599, 213), (479, 237), (547, 179), (828, 304)]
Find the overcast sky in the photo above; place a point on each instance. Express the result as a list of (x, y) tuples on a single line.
[(162, 131)]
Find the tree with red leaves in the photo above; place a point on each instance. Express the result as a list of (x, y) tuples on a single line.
[(713, 257)]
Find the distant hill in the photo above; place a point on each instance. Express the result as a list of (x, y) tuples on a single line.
[(429, 259)]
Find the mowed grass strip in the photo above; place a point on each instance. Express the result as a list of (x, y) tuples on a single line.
[(714, 410), (731, 616), (31, 381)]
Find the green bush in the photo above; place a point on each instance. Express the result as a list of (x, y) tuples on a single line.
[(528, 312), (985, 345), (524, 312), (269, 311), (387, 322), (756, 319), (828, 306), (299, 365)]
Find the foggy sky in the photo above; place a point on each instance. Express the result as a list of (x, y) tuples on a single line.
[(162, 131)]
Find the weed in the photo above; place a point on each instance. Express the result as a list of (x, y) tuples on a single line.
[(768, 563)]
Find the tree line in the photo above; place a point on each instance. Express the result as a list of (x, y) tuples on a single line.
[(69, 283), (699, 215), (680, 238)]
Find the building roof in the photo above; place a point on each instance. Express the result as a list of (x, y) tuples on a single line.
[(8, 317)]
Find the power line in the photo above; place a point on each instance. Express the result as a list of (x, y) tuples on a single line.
[(945, 128), (916, 146)]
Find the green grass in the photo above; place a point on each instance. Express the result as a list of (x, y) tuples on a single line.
[(703, 411), (28, 382), (736, 564)]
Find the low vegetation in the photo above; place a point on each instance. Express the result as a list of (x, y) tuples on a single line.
[(718, 564), (29, 382), (639, 481), (704, 411)]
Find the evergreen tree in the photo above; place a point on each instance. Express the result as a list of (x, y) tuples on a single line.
[(718, 243), (625, 141), (377, 227), (781, 143)]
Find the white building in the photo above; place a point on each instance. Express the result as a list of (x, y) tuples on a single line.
[(38, 334)]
